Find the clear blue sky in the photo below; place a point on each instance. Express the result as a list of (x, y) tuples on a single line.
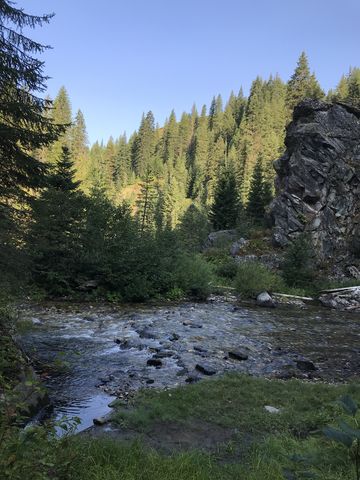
[(120, 58)]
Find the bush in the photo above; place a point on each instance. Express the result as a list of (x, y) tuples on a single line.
[(228, 269), (193, 276), (253, 278)]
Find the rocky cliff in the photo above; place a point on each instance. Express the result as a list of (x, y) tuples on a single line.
[(318, 180)]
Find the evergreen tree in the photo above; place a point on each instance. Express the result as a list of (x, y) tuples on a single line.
[(54, 240), (147, 201), (79, 146), (226, 207), (61, 115), (144, 146), (24, 124), (259, 196), (122, 173), (302, 84), (198, 156), (194, 227), (171, 141)]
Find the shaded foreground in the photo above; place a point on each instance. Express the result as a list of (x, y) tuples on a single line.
[(248, 442)]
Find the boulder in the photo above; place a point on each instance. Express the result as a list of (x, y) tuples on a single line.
[(205, 369), (264, 299), (318, 180)]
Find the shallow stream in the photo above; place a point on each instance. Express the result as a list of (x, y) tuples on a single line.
[(87, 355)]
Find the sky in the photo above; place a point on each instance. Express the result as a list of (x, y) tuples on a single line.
[(118, 59)]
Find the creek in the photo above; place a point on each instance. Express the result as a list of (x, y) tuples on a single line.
[(87, 354)]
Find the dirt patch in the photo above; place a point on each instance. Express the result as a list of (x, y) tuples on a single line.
[(167, 437)]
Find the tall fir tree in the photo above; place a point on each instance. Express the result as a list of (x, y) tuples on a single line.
[(225, 209), (79, 146), (260, 194), (147, 202), (302, 84), (25, 125), (144, 146), (54, 239), (61, 115)]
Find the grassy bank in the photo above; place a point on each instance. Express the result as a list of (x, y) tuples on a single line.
[(247, 441)]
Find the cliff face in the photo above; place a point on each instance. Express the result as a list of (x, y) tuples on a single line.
[(318, 180)]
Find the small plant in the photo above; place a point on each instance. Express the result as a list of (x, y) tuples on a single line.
[(348, 434)]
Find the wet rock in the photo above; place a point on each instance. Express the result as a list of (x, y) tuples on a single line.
[(187, 323), (154, 362), (205, 369), (100, 421), (174, 337), (107, 379), (118, 341), (146, 333), (150, 381), (264, 299), (238, 355), (305, 365), (199, 349)]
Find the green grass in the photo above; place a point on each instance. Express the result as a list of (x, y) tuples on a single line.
[(260, 450), (237, 401)]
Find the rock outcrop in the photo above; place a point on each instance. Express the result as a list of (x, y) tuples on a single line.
[(318, 180)]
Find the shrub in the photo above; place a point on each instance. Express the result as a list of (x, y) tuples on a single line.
[(298, 267), (193, 276), (253, 278), (228, 269)]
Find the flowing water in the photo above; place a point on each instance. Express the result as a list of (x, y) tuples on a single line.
[(88, 355)]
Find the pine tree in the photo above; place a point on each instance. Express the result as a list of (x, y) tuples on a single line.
[(61, 115), (302, 84), (144, 146), (147, 201), (24, 124), (79, 146), (198, 156), (122, 173), (226, 207), (260, 194), (54, 240), (171, 141)]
